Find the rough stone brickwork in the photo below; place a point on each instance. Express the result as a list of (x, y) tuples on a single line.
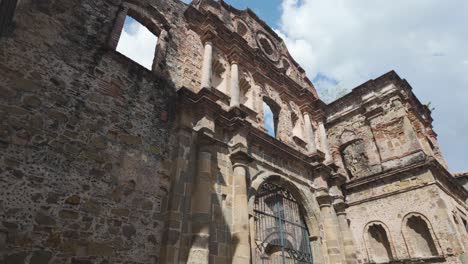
[(104, 161)]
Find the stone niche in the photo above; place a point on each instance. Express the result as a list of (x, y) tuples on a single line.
[(355, 159), (355, 154)]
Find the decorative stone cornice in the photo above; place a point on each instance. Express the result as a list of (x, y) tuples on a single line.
[(250, 58), (370, 92), (324, 198), (205, 136), (339, 205), (338, 179), (440, 173), (240, 156), (208, 32), (235, 118), (235, 55)]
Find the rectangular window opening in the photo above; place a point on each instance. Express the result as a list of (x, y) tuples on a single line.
[(269, 120), (137, 43)]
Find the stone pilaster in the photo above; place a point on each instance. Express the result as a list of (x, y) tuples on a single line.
[(324, 140), (241, 230), (330, 229), (201, 203), (348, 242), (310, 134), (177, 200)]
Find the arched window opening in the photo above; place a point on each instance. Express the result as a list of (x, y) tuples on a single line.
[(419, 237), (379, 244), (281, 235), (137, 43), (219, 76), (270, 117)]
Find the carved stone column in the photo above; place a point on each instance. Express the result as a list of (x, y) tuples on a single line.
[(240, 218), (310, 135), (201, 203), (330, 230), (324, 140), (235, 89), (348, 242), (207, 67)]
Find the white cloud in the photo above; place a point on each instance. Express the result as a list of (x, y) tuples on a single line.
[(351, 42), (137, 43)]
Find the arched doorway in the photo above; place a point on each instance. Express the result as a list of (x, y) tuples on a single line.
[(281, 235)]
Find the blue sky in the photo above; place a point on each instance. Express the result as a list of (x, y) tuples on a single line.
[(268, 120), (267, 10), (343, 43), (137, 43)]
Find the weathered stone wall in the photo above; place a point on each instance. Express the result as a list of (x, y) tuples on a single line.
[(84, 134), (409, 195), (390, 131), (103, 161), (381, 136)]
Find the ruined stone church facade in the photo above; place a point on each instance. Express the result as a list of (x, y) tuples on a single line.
[(104, 161)]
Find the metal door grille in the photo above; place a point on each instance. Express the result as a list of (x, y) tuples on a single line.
[(280, 233)]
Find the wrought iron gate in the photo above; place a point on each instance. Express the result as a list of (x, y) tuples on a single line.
[(280, 233)]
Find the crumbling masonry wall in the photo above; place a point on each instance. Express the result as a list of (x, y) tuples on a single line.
[(84, 133)]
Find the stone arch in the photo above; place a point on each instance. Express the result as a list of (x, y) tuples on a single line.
[(347, 136), (378, 242), (309, 209), (419, 236)]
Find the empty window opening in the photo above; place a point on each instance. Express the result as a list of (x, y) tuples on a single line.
[(379, 244), (270, 118), (420, 238), (137, 43)]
